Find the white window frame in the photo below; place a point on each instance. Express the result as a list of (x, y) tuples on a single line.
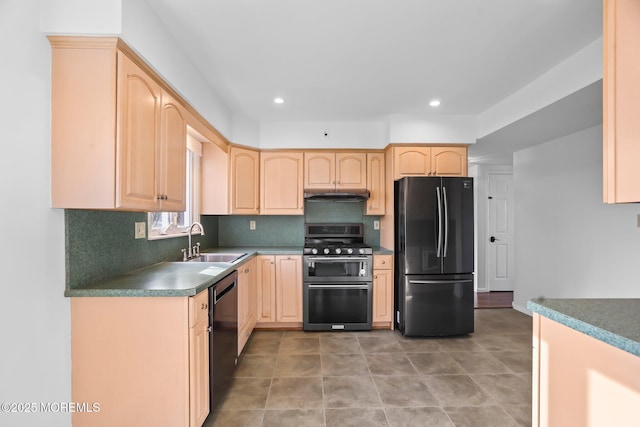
[(170, 227)]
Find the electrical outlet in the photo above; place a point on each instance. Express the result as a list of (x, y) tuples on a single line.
[(376, 225), (141, 230), (252, 225)]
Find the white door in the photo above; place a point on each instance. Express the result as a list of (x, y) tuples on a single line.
[(499, 241)]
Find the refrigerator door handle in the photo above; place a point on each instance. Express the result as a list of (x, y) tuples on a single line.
[(436, 282), (439, 236), (446, 221)]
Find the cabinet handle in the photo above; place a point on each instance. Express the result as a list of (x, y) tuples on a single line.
[(246, 270), (204, 306)]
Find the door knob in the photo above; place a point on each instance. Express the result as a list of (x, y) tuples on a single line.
[(493, 239)]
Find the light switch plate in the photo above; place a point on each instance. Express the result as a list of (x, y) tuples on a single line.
[(376, 225), (252, 225), (141, 230)]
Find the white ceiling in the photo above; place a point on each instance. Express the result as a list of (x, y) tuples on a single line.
[(359, 60)]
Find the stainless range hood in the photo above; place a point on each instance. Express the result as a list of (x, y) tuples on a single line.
[(333, 195)]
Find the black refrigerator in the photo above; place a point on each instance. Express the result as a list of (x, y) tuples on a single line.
[(434, 240)]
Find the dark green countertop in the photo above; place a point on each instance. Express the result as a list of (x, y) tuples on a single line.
[(174, 279), (613, 321)]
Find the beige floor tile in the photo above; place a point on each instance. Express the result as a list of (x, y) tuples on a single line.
[(344, 364), (358, 417), (294, 418), (390, 364), (480, 416), (505, 388), (435, 363), (239, 418), (350, 392), (457, 390), (295, 393), (418, 417), (339, 345), (479, 362), (299, 345), (298, 365), (404, 391)]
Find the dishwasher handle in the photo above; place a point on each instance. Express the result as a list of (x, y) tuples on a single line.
[(218, 296)]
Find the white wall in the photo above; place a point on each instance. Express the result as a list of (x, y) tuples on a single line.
[(147, 34), (569, 243), (574, 73), (35, 363), (452, 129), (310, 135)]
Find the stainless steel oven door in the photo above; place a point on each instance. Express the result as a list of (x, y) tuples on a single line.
[(338, 268), (337, 306)]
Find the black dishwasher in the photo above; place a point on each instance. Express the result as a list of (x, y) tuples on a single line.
[(223, 342)]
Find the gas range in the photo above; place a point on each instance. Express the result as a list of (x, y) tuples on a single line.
[(335, 239), (337, 278)]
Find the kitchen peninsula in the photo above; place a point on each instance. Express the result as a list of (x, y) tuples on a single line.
[(586, 362)]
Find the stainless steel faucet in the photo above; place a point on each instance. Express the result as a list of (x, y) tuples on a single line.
[(192, 250)]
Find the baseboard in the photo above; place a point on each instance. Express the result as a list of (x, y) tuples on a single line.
[(522, 309)]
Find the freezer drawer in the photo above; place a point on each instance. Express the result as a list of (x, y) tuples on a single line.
[(436, 306)]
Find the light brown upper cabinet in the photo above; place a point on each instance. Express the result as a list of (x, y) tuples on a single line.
[(281, 180), (375, 184), (341, 170), (118, 138), (429, 161), (245, 181), (621, 101)]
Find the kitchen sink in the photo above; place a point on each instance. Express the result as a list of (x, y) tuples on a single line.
[(218, 257)]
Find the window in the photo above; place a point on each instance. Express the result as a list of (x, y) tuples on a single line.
[(163, 225)]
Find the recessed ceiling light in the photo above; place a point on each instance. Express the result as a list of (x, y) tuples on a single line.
[(278, 100), (434, 103)]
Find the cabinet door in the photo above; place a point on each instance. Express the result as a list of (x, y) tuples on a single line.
[(289, 288), (139, 118), (351, 170), (449, 161), (382, 295), (245, 185), (319, 170), (246, 302), (375, 184), (411, 161), (281, 183), (199, 373), (172, 156), (266, 292), (621, 101)]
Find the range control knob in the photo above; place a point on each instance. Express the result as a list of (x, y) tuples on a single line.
[(338, 251), (326, 251), (314, 251), (361, 250), (349, 251)]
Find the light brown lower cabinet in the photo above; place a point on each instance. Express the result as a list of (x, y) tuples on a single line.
[(144, 360), (279, 291), (247, 300), (579, 380), (382, 291)]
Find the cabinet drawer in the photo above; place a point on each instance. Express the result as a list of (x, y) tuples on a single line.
[(382, 262), (198, 307)]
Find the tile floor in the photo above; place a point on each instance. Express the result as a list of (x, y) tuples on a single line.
[(379, 378)]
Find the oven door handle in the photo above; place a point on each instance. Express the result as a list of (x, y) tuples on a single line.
[(338, 286), (344, 258)]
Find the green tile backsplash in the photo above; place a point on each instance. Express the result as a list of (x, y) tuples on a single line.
[(278, 230), (101, 244)]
